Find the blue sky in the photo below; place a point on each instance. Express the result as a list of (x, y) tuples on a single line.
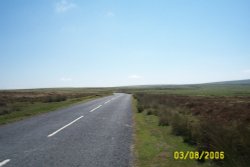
[(78, 43)]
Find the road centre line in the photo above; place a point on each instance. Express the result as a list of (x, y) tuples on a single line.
[(4, 162), (107, 101), (95, 108), (52, 134)]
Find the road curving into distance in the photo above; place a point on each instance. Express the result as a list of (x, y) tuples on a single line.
[(97, 133)]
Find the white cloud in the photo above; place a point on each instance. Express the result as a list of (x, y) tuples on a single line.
[(134, 77), (64, 6), (66, 79), (110, 14)]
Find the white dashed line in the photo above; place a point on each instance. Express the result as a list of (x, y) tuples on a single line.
[(95, 108), (64, 127), (4, 162), (107, 101)]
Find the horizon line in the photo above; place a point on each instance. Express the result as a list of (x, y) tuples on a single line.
[(103, 87)]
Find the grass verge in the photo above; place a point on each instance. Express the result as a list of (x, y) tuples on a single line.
[(154, 145), (27, 109)]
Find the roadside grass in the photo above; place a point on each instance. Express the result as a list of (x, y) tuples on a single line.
[(154, 145), (28, 109)]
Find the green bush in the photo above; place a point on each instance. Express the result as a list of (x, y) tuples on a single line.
[(163, 121), (54, 98), (233, 140), (140, 108), (4, 111), (2, 104), (150, 112), (179, 125)]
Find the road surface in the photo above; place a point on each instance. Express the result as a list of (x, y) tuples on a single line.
[(97, 133)]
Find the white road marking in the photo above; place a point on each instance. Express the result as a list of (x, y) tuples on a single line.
[(95, 108), (107, 101), (64, 127), (4, 162)]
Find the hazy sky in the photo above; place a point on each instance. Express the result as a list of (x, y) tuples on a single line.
[(61, 43)]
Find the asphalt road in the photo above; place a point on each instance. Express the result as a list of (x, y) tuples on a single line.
[(97, 133)]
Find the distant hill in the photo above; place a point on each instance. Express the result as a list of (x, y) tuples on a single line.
[(236, 82), (172, 86), (224, 88)]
